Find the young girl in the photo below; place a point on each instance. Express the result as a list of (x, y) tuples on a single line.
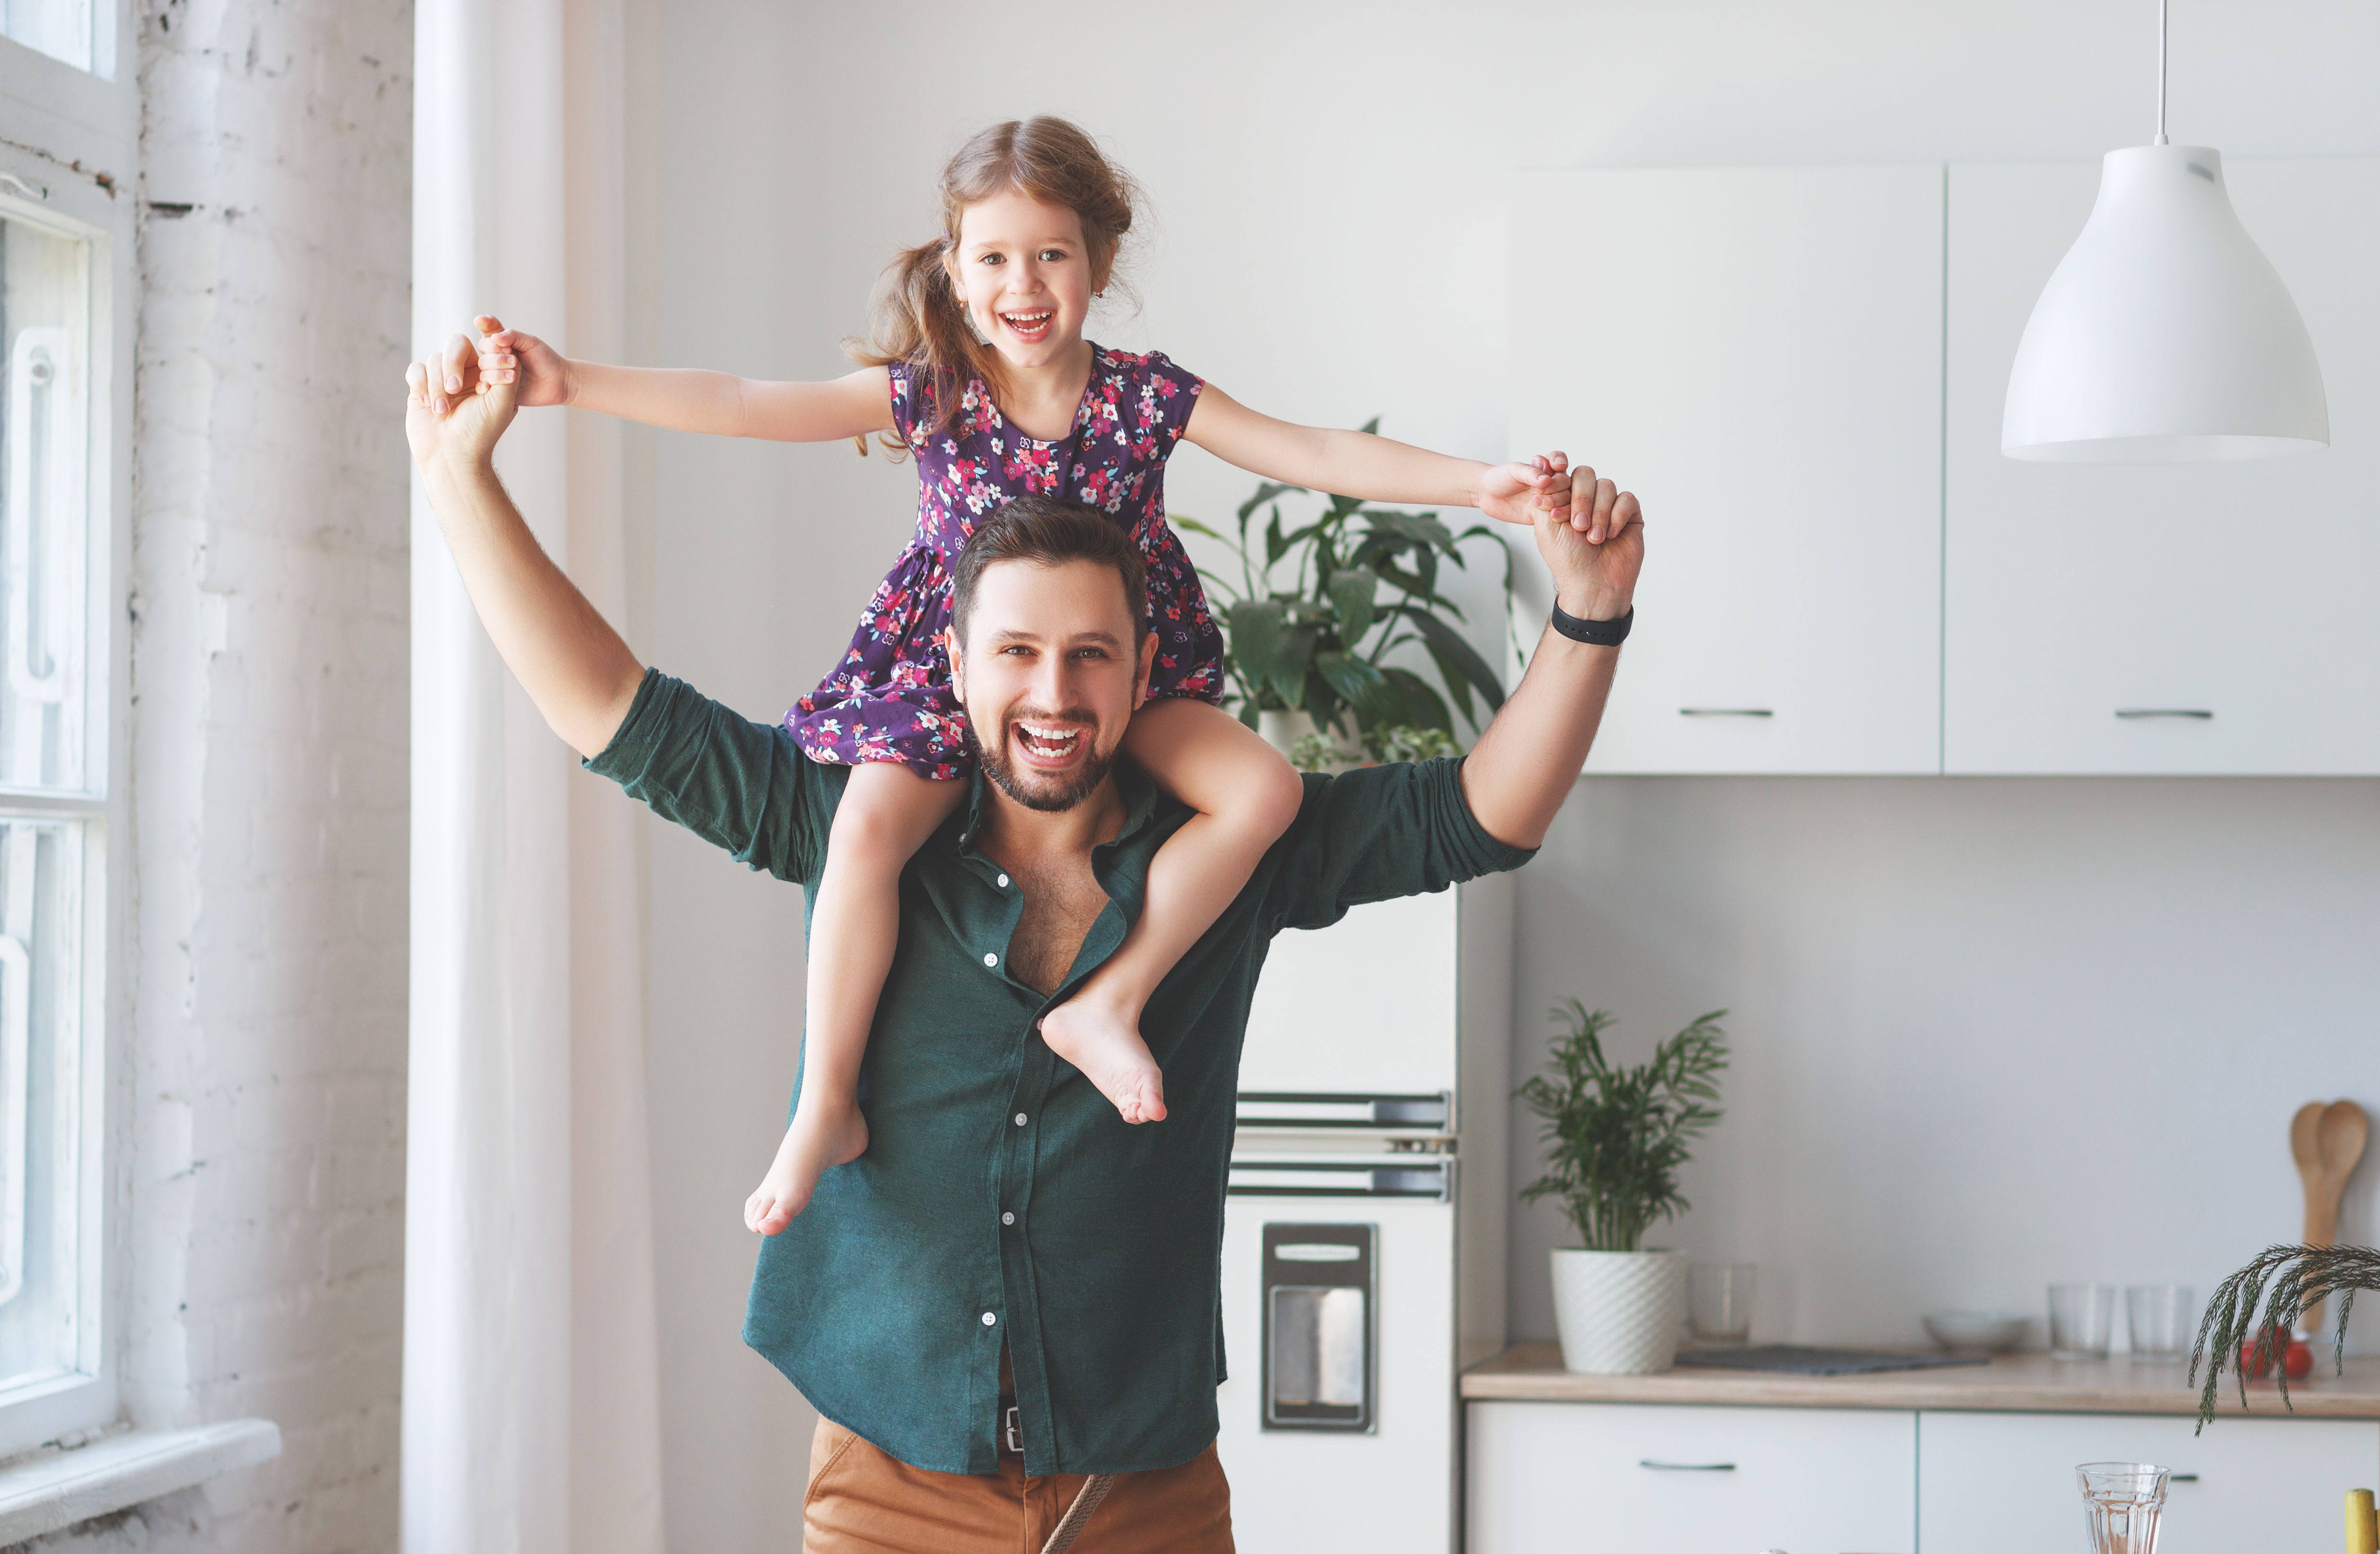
[(979, 368)]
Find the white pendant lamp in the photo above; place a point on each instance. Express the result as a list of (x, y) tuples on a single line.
[(2165, 336)]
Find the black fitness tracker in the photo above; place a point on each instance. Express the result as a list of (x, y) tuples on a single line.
[(1600, 634)]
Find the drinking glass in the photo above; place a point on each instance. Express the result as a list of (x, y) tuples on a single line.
[(2164, 1319), (1718, 1301), (2080, 1317), (2122, 1502)]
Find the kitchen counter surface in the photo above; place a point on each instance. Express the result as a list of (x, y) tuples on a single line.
[(2010, 1383)]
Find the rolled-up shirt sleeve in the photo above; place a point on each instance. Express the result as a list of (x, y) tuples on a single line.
[(738, 784), (1379, 831)]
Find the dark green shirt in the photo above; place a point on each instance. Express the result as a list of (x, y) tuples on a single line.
[(887, 1301)]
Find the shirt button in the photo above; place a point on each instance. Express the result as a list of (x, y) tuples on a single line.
[(991, 959), (1008, 1217), (1004, 881), (989, 1318), (1020, 1119)]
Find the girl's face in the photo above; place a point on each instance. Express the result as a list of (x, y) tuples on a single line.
[(1023, 273)]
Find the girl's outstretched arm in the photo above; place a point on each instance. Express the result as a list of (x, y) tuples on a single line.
[(688, 399), (1374, 469)]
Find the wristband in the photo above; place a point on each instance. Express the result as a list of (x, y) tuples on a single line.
[(1600, 634)]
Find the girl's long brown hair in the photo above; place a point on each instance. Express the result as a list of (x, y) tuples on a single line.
[(915, 316)]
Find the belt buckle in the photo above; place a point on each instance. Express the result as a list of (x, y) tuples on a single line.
[(1011, 1430)]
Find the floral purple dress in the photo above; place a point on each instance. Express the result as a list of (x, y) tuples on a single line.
[(890, 698)]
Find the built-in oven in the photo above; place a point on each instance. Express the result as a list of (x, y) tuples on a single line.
[(1339, 1418)]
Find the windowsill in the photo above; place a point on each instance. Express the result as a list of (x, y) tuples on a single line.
[(58, 1488)]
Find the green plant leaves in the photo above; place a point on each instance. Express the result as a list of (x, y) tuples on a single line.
[(1423, 706), (1360, 685), (1458, 662), (1255, 636), (1352, 591), (1616, 1137), (1305, 630), (1295, 652)]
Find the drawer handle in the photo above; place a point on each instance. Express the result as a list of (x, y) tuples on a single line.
[(2181, 1478), (1686, 1467), (1726, 713), (2130, 713)]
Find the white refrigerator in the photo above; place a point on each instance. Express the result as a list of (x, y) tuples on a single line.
[(1365, 1230)]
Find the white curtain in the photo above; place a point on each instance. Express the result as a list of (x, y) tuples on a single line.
[(531, 1412)]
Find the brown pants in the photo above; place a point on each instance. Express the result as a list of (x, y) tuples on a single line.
[(862, 1500)]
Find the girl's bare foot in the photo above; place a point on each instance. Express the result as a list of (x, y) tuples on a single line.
[(821, 1137), (1103, 1040)]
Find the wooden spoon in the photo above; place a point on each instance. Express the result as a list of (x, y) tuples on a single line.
[(2327, 1141)]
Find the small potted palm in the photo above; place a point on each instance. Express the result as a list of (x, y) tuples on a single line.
[(1615, 1138)]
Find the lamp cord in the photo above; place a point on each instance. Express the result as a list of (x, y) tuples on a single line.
[(2162, 6)]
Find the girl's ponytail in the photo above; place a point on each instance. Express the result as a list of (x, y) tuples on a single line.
[(915, 315)]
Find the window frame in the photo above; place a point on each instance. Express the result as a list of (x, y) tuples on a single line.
[(69, 142)]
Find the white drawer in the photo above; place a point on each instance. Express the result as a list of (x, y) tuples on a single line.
[(1988, 1483), (1618, 1478)]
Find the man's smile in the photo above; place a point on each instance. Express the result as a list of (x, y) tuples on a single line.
[(1048, 747)]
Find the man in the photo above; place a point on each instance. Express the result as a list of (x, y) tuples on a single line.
[(1008, 1306)]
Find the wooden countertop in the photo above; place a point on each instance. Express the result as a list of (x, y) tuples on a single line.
[(2010, 1383)]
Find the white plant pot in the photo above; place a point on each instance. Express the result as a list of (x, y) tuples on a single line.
[(1619, 1312), (1282, 728)]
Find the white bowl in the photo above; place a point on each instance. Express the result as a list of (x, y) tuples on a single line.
[(1976, 1332)]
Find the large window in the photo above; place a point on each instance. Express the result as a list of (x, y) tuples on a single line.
[(66, 119), (45, 512)]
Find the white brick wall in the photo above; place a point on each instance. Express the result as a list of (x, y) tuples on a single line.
[(268, 767)]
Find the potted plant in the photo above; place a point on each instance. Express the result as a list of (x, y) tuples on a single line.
[(1321, 606), (1615, 1138)]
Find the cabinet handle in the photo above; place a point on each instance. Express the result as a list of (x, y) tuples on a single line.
[(1725, 712), (1686, 1467), (2181, 1478), (2129, 712)]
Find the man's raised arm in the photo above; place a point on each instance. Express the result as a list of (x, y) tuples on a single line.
[(573, 664), (1522, 767)]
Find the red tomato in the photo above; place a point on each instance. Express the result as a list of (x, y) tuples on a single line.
[(2296, 1360)]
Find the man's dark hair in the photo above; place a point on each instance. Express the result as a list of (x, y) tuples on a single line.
[(1050, 531)]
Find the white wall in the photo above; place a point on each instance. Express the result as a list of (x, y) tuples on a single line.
[(1329, 243)]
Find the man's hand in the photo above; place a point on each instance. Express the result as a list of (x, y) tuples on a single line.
[(1592, 537), (454, 413)]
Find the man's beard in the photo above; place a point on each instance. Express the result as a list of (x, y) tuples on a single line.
[(1055, 794)]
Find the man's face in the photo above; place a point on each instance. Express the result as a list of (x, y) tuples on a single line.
[(1050, 677)]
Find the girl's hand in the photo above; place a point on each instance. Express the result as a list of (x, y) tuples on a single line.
[(1520, 492), (507, 356)]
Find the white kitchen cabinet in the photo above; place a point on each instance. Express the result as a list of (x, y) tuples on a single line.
[(2093, 613), (1988, 1483), (1621, 1478), (1757, 353)]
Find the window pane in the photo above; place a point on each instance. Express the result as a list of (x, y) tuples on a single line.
[(60, 28), (45, 438), (40, 1097)]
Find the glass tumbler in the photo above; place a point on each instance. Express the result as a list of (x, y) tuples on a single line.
[(2121, 1503), (2164, 1319), (1719, 1302), (2080, 1319)]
